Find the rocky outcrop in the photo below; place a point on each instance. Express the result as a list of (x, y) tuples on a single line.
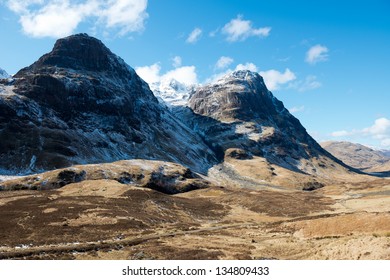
[(165, 177), (80, 104)]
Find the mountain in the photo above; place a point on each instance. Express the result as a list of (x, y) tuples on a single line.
[(238, 111), (246, 126), (359, 156), (3, 74), (386, 153), (172, 92), (80, 104)]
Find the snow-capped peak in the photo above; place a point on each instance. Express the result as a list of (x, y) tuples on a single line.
[(172, 92), (244, 75), (3, 74)]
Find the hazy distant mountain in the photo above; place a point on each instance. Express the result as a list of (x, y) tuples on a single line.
[(357, 155), (172, 92), (3, 74)]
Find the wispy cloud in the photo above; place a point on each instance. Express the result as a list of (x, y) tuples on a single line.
[(309, 83), (223, 62), (317, 54), (296, 109), (56, 19), (194, 36), (341, 133), (176, 61), (239, 29)]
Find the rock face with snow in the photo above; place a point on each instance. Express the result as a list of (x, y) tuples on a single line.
[(81, 103), (3, 74), (172, 92), (238, 111)]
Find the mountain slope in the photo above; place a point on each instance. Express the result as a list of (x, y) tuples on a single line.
[(81, 103), (243, 122), (253, 119)]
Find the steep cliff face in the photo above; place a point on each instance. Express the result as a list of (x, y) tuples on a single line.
[(81, 103)]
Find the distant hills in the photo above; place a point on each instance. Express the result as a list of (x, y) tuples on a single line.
[(359, 156)]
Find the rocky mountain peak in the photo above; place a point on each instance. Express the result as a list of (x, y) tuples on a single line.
[(239, 112), (242, 75), (239, 95), (172, 92), (81, 52)]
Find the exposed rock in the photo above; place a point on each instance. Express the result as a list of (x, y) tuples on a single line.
[(165, 177), (237, 154), (312, 186), (81, 103)]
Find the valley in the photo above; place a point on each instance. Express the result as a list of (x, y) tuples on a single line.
[(104, 219), (96, 165)]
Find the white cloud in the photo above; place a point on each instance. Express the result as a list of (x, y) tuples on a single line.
[(59, 18), (185, 75), (151, 74), (194, 36), (238, 30), (296, 109), (223, 62), (247, 66), (380, 129), (309, 83), (127, 15), (273, 78), (176, 61), (316, 54)]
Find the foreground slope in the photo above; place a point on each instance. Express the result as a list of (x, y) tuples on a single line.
[(81, 103), (111, 211)]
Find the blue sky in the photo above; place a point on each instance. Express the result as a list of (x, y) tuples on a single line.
[(328, 61)]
